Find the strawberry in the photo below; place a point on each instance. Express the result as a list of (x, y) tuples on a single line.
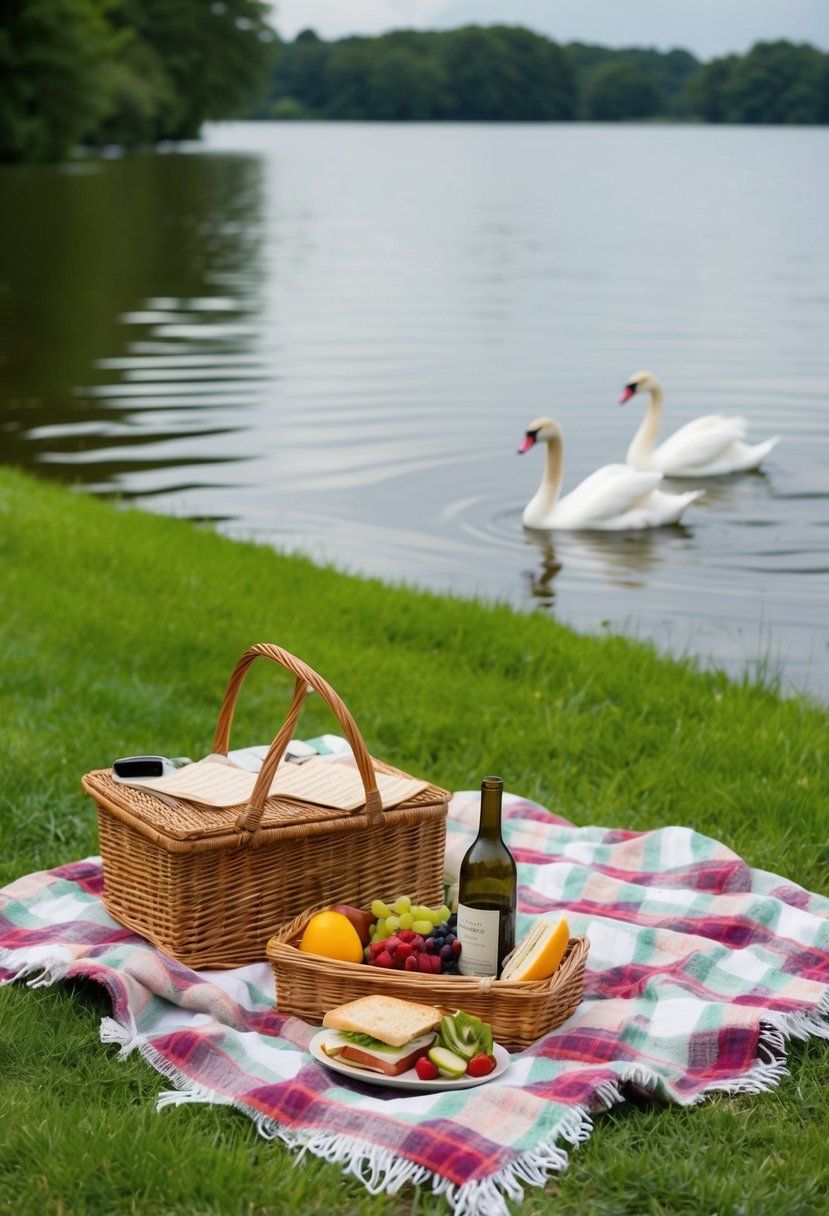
[(480, 1065), (426, 1070)]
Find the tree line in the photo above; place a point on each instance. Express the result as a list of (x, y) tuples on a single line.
[(139, 72), (507, 73)]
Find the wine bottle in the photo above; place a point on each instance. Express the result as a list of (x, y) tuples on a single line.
[(486, 891)]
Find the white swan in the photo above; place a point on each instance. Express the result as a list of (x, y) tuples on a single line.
[(706, 447), (613, 498)]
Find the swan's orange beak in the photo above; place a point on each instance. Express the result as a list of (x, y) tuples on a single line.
[(626, 395), (526, 443)]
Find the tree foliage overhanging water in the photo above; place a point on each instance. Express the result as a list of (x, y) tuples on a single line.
[(138, 72)]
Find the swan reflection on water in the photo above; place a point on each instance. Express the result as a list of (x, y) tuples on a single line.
[(623, 558)]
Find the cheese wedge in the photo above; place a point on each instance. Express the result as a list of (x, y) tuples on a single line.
[(538, 954)]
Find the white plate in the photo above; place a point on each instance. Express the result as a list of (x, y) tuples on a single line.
[(408, 1079)]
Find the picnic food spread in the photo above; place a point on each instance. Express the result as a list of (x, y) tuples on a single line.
[(333, 933)]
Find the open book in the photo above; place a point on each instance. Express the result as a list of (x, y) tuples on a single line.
[(215, 782)]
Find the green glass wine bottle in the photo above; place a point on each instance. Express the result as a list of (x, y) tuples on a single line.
[(487, 886)]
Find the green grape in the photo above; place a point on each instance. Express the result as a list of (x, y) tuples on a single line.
[(392, 924), (422, 913), (406, 920), (380, 932), (423, 927), (440, 914), (379, 909), (402, 904)]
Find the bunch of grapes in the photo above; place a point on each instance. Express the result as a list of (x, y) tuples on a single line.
[(412, 937), (443, 943), (403, 914)]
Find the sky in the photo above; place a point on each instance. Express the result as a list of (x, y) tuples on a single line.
[(707, 28)]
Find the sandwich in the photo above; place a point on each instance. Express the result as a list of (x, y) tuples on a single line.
[(538, 954), (380, 1033)]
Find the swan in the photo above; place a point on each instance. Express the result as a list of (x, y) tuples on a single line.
[(706, 447), (613, 498)]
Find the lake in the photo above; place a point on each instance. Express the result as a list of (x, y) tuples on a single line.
[(330, 338)]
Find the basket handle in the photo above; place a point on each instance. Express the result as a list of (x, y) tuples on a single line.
[(306, 680)]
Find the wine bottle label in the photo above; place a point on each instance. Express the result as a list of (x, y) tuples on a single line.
[(478, 930)]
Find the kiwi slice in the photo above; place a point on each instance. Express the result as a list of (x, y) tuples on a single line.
[(465, 1034)]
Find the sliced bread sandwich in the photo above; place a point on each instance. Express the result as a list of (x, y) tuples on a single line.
[(380, 1033)]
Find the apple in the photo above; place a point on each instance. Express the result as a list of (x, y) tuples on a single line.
[(362, 921)]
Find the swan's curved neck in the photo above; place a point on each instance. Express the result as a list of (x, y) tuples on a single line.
[(645, 437), (550, 487)]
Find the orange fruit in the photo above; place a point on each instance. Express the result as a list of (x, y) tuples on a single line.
[(332, 935)]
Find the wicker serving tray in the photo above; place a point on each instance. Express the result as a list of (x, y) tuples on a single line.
[(308, 985)]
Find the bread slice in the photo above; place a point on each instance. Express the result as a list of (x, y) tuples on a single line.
[(539, 953), (387, 1018)]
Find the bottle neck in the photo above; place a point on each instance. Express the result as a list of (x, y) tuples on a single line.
[(492, 789)]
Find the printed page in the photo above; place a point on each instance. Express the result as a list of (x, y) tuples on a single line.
[(214, 782)]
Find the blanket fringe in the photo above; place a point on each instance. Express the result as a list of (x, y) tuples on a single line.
[(22, 962)]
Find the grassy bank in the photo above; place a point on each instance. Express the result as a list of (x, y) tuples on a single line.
[(119, 631)]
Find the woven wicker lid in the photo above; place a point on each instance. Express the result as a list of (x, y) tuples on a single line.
[(177, 820)]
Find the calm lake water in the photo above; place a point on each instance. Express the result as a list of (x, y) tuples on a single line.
[(331, 338)]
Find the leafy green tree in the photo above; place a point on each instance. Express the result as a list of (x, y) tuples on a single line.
[(204, 61), (619, 90), (300, 75), (405, 84), (668, 72), (505, 73), (346, 77), (776, 82), (706, 94), (53, 60)]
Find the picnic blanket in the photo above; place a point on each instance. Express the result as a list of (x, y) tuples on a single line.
[(700, 968)]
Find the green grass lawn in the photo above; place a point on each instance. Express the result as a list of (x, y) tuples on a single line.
[(119, 631)]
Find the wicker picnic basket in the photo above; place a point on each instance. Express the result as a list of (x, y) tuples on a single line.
[(307, 985), (211, 886)]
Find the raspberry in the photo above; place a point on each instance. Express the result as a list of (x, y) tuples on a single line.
[(424, 963), (426, 1070), (410, 964), (480, 1065), (404, 950), (376, 948), (383, 959), (406, 935)]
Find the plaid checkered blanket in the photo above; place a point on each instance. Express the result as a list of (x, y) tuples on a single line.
[(700, 968)]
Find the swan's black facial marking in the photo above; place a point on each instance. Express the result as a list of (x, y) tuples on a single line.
[(632, 387)]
